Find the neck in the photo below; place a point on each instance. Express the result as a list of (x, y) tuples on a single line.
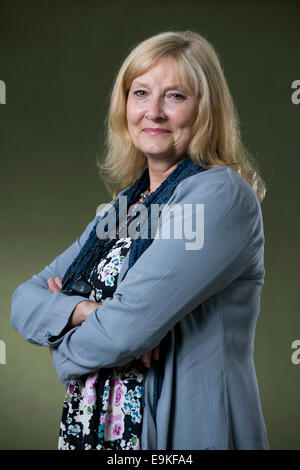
[(159, 170)]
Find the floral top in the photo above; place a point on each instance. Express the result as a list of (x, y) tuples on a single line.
[(103, 410)]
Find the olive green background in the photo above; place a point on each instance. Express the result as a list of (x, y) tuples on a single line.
[(58, 60)]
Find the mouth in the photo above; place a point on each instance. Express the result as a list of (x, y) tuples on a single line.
[(156, 131)]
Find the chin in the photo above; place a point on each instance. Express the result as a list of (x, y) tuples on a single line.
[(155, 151)]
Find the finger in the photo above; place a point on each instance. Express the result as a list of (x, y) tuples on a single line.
[(58, 282), (146, 359), (149, 358), (156, 353), (52, 285)]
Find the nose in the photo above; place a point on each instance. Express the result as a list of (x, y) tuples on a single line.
[(155, 109)]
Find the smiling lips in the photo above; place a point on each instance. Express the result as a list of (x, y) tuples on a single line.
[(155, 131)]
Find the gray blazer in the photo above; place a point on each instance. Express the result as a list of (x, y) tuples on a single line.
[(201, 305)]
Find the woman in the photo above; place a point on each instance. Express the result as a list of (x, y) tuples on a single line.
[(122, 291)]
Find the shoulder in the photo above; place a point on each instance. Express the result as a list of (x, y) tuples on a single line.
[(228, 200), (221, 186)]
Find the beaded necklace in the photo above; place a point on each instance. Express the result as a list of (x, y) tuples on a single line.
[(143, 197)]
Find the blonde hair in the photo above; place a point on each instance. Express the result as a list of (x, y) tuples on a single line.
[(216, 138)]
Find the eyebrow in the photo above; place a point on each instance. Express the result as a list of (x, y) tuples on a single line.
[(176, 86)]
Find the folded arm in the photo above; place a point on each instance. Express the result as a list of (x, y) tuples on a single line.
[(36, 312), (168, 281)]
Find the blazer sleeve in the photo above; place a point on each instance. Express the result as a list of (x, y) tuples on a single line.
[(38, 313), (168, 280)]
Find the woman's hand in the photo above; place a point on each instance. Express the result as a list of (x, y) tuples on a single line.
[(82, 311), (54, 284), (84, 308), (146, 358)]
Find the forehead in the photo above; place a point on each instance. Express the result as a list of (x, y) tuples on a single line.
[(164, 70)]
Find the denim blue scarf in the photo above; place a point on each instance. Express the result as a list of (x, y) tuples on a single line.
[(84, 261)]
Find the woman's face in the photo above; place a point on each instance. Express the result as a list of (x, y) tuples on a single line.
[(161, 112)]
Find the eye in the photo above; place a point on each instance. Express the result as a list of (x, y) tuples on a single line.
[(138, 91), (178, 96)]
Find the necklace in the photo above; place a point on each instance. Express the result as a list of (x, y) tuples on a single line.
[(142, 198)]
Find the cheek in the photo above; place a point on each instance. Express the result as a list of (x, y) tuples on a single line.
[(190, 116), (134, 114), (183, 118)]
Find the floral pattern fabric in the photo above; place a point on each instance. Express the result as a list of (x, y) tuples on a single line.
[(104, 410)]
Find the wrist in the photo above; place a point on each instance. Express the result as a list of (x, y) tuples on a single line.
[(77, 316)]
